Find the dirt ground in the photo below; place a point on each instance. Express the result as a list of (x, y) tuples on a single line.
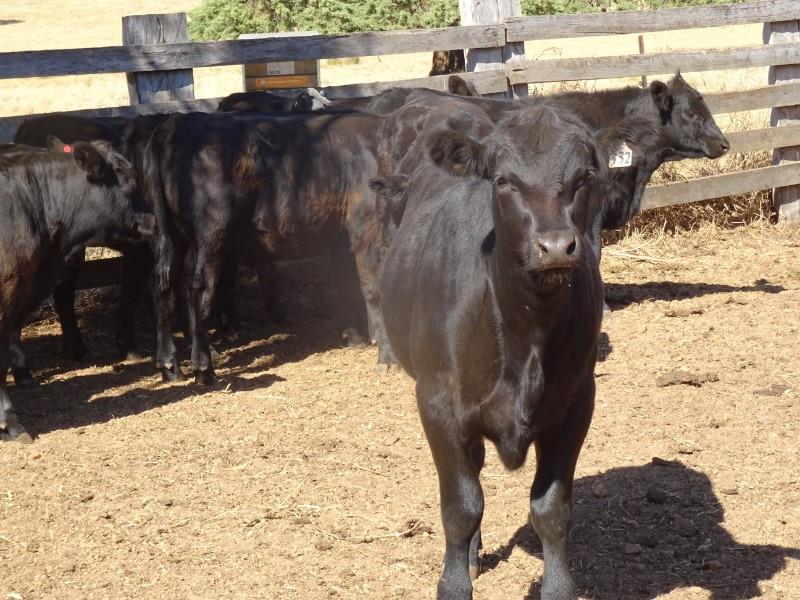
[(304, 472)]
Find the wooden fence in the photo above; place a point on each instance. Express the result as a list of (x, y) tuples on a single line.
[(783, 96)]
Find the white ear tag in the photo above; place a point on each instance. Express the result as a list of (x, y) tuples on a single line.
[(622, 157)]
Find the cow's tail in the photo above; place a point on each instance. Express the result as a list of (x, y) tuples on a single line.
[(154, 193)]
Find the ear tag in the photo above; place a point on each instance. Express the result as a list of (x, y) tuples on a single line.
[(622, 157), (67, 149)]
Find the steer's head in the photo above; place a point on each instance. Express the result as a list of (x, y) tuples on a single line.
[(117, 190), (541, 164), (691, 130)]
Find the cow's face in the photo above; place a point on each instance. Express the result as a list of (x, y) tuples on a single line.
[(542, 165), (691, 130)]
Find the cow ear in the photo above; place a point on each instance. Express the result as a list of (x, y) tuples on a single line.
[(90, 160), (458, 154), (392, 194), (461, 87), (662, 98), (56, 145)]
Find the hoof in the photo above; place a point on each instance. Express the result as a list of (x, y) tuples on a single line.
[(205, 377), (129, 352), (353, 339), (171, 373), (383, 369), (474, 571), (132, 355), (23, 378), (14, 432), (606, 311)]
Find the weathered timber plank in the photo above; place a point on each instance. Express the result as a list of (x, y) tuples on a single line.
[(763, 97), (161, 86), (786, 200), (119, 59), (486, 12), (609, 67), (485, 81), (720, 186), (644, 21), (763, 139)]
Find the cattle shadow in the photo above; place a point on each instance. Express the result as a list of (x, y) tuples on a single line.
[(9, 21), (621, 295), (671, 520), (245, 361)]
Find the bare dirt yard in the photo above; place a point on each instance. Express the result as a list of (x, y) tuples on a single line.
[(304, 472)]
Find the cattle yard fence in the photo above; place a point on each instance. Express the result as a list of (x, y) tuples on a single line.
[(159, 59)]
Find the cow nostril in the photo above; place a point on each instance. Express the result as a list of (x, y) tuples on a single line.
[(571, 248), (543, 248)]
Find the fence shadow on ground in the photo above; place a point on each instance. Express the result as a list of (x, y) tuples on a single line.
[(672, 519), (620, 295)]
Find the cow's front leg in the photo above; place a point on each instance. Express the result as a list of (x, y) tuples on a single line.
[(19, 364), (10, 429), (64, 301), (460, 490), (551, 494), (137, 264)]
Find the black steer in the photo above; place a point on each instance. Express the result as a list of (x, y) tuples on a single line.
[(267, 102), (493, 301), (268, 187), (671, 120), (52, 204)]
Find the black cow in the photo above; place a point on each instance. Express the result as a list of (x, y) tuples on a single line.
[(666, 121), (137, 262), (268, 187), (493, 302), (267, 102), (53, 204), (447, 61)]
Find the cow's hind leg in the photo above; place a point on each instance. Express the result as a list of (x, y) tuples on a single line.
[(10, 429), (19, 364), (207, 270), (551, 494), (459, 490), (164, 305)]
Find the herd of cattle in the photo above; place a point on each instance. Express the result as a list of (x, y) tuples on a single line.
[(464, 234)]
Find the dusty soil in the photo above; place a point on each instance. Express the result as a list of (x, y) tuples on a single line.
[(305, 474)]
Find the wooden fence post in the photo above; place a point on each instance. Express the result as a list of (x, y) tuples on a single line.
[(157, 86), (490, 12), (785, 199)]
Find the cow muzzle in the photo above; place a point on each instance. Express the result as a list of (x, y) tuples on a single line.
[(558, 249)]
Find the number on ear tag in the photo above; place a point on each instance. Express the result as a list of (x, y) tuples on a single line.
[(622, 157)]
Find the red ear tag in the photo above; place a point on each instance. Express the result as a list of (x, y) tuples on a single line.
[(67, 149)]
